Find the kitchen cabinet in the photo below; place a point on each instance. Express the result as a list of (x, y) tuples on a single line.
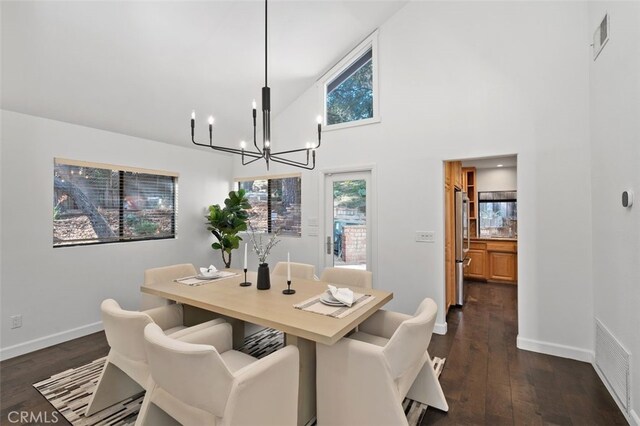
[(449, 246), (502, 266), (456, 171), (469, 186), (476, 268), (493, 260)]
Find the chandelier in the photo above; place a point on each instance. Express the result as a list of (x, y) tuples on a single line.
[(250, 156)]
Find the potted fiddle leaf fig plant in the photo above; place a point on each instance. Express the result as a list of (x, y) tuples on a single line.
[(226, 222)]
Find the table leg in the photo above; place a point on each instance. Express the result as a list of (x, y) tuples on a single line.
[(307, 383), (194, 316)]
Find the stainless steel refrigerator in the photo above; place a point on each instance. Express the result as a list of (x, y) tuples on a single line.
[(462, 242)]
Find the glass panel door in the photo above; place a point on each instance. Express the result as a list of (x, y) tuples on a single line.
[(348, 236)]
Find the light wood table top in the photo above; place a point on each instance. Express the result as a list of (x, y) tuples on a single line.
[(271, 308)]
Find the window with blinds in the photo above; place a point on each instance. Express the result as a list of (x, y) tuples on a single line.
[(276, 203), (100, 203)]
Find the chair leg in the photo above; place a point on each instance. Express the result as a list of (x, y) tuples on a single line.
[(426, 388), (152, 415), (114, 386)]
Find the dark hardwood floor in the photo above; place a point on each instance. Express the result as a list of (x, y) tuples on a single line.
[(18, 374), (486, 379)]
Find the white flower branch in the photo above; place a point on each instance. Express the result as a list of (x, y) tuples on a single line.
[(261, 250)]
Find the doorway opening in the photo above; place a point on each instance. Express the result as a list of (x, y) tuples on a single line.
[(481, 224)]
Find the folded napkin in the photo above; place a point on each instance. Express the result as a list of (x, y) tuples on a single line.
[(343, 295), (208, 272)]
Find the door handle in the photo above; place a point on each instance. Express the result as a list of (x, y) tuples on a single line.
[(329, 245), (467, 262)]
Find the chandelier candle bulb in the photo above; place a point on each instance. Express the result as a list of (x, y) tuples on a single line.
[(254, 105), (243, 144)]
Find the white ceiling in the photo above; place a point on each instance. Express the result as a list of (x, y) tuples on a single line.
[(491, 162), (139, 68)]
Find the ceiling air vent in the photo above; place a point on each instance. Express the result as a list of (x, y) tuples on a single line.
[(601, 36)]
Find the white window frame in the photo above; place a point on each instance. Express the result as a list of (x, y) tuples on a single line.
[(371, 42)]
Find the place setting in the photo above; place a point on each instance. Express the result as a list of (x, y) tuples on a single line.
[(335, 302), (205, 276)]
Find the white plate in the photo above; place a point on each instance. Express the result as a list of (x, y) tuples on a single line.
[(331, 302), (210, 277)]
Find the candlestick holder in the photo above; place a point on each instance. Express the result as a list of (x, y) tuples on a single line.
[(288, 290), (245, 283)]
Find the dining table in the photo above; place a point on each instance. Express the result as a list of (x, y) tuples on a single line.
[(225, 297)]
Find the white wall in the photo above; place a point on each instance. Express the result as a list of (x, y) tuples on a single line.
[(501, 179), (470, 80), (615, 151), (60, 290)]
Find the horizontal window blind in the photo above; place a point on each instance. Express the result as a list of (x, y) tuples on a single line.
[(95, 204), (276, 203)]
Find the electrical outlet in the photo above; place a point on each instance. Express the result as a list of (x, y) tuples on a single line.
[(425, 236), (16, 321)]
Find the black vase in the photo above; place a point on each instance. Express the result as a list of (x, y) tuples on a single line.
[(264, 282)]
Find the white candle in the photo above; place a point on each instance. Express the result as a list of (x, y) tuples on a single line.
[(288, 267), (245, 255)]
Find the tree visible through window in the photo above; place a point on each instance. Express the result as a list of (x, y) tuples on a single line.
[(97, 205), (349, 95), (498, 214), (275, 204)]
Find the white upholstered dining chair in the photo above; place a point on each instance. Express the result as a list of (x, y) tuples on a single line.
[(200, 380), (363, 378), (126, 371), (347, 276), (163, 274), (298, 270)]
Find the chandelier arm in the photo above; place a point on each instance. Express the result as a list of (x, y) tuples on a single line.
[(294, 164), (290, 161), (244, 163), (234, 151), (291, 151)]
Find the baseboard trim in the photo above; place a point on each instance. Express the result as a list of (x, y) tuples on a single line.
[(440, 328), (555, 349), (635, 419), (50, 340)]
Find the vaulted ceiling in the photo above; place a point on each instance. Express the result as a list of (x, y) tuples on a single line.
[(139, 68)]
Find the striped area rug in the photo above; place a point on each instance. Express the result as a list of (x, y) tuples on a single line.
[(69, 391)]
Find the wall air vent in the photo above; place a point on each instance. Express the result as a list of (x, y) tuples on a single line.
[(601, 36), (612, 360)]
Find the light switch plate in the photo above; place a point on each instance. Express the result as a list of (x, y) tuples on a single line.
[(425, 236)]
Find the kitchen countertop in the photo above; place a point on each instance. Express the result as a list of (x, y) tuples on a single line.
[(493, 239)]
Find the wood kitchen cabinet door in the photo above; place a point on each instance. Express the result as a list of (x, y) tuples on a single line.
[(457, 174), (476, 268), (502, 266)]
